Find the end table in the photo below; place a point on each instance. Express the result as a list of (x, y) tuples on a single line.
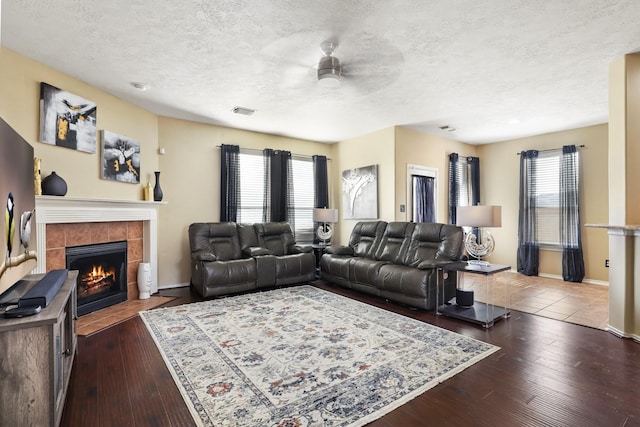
[(484, 314)]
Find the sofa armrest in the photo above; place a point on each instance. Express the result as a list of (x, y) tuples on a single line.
[(203, 256), (254, 251), (339, 250), (432, 263), (298, 249)]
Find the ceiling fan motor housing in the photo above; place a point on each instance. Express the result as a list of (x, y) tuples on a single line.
[(329, 66)]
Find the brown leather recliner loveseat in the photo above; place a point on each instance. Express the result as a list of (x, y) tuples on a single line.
[(396, 260), (227, 257)]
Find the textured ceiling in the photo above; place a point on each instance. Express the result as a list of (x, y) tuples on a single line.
[(492, 70)]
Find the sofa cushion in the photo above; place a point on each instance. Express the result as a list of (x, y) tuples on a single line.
[(451, 243), (276, 237), (433, 242), (395, 242), (365, 238), (219, 239), (404, 280), (364, 270), (248, 236)]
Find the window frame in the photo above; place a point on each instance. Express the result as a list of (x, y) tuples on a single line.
[(304, 226)]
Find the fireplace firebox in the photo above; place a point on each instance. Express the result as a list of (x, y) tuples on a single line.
[(102, 274)]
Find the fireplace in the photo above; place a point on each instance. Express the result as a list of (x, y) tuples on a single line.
[(102, 274)]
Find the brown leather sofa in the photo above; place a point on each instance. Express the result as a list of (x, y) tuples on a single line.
[(228, 258), (397, 261)]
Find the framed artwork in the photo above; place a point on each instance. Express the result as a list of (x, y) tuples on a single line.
[(120, 158), (67, 120), (360, 193)]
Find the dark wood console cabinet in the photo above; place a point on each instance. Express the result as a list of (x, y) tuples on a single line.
[(36, 357)]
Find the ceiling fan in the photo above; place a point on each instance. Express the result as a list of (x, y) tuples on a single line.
[(329, 68), (370, 63)]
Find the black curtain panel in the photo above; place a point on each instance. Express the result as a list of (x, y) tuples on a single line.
[(570, 235), (528, 256), (453, 187), (321, 187), (474, 174), (321, 182), (267, 154), (290, 207), (423, 198), (229, 182), (281, 187)]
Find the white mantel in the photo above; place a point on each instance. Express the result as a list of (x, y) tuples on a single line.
[(68, 210)]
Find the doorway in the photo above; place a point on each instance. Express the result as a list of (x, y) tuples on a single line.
[(422, 189)]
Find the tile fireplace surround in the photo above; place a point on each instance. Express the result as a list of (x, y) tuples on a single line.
[(78, 221)]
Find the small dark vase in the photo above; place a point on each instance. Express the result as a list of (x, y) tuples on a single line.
[(157, 190), (54, 185)]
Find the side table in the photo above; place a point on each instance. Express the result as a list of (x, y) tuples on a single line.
[(484, 314), (318, 251)]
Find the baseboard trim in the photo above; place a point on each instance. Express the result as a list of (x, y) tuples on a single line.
[(589, 281), (621, 334), (177, 285)]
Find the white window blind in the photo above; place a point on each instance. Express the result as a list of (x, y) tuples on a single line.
[(464, 183), (252, 193), (251, 187), (547, 196), (303, 190)]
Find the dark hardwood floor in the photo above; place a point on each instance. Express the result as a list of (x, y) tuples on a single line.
[(547, 373)]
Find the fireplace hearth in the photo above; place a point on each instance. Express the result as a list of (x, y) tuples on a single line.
[(102, 274)]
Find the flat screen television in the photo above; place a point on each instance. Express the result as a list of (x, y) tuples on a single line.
[(17, 196)]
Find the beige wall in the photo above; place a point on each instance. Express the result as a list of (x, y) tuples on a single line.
[(19, 106), (189, 169), (191, 182), (499, 169), (376, 148), (418, 148), (190, 166)]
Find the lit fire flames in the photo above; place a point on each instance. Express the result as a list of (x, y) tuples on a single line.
[(98, 277)]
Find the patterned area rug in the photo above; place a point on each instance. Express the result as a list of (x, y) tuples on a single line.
[(302, 357)]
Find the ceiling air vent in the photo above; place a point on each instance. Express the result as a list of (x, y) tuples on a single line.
[(244, 111)]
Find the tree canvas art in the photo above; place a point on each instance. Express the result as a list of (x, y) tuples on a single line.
[(67, 120), (120, 158), (360, 193)]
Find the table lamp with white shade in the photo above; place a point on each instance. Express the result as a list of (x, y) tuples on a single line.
[(481, 245), (325, 217)]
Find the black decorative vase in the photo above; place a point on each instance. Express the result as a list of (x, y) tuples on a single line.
[(54, 185), (157, 190)]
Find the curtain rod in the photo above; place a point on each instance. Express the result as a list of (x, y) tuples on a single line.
[(260, 151), (554, 149)]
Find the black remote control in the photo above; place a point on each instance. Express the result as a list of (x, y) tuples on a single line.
[(22, 311)]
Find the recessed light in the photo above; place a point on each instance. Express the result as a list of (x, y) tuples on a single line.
[(514, 121), (140, 86)]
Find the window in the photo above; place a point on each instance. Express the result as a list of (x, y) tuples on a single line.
[(252, 193), (547, 196), (463, 179), (251, 188), (303, 196), (464, 183), (546, 191)]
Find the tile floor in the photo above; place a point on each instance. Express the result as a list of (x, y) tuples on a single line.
[(580, 303), (109, 316)]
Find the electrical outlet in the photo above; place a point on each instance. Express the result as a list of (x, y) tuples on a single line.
[(606, 263)]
